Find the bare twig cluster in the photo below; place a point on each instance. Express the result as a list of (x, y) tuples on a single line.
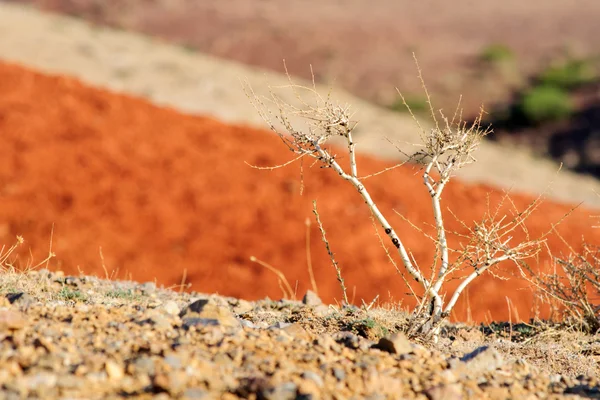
[(570, 284), (447, 147)]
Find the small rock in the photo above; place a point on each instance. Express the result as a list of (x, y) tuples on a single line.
[(195, 393), (314, 377), (72, 281), (311, 299), (280, 325), (339, 373), (242, 307), (396, 343), (444, 392), (147, 287), (285, 391), (199, 322), (114, 370), (352, 341), (40, 380), (143, 365), (22, 299), (296, 331), (248, 324), (173, 382), (173, 361), (481, 360), (170, 307), (205, 309), (472, 335), (161, 322), (11, 320), (323, 310)]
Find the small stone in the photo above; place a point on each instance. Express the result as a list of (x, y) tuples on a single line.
[(172, 383), (204, 310), (323, 310), (199, 322), (242, 307), (481, 360), (143, 365), (296, 331), (314, 377), (280, 325), (21, 298), (248, 324), (444, 392), (396, 343), (339, 373), (147, 287), (171, 308), (40, 380), (285, 391), (11, 320), (161, 322), (173, 361), (114, 370), (195, 393), (352, 341), (311, 299)]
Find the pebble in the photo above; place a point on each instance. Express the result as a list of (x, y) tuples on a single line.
[(311, 299), (171, 308), (11, 320), (396, 343)]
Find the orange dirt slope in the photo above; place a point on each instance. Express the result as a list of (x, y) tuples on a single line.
[(162, 193)]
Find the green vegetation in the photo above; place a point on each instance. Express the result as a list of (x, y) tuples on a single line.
[(67, 293), (122, 294), (367, 328), (545, 103), (568, 75), (417, 104), (496, 53)]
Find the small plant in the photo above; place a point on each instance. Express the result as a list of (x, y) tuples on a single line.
[(496, 53), (122, 294), (67, 293), (445, 148), (545, 103), (568, 75), (367, 328), (570, 284), (414, 103)]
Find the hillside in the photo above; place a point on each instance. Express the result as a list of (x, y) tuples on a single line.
[(133, 190)]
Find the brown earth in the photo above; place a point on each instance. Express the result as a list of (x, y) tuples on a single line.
[(368, 49), (87, 338), (168, 196)]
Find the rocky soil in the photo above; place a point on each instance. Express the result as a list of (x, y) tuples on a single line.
[(82, 337)]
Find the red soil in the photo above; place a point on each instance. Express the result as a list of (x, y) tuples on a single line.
[(162, 193)]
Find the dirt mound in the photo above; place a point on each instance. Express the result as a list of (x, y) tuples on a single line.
[(162, 193), (200, 84)]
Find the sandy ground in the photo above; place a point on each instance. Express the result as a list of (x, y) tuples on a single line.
[(198, 83)]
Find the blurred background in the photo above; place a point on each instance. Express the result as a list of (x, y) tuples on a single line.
[(533, 68)]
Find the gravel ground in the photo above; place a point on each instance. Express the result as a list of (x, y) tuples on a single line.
[(84, 337), (197, 83)]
